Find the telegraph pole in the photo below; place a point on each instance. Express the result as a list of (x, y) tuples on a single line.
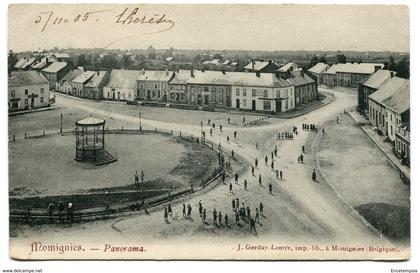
[(61, 123), (140, 121)]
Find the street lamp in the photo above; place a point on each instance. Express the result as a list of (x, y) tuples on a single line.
[(140, 121), (61, 123)]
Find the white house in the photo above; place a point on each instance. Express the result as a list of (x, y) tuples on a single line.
[(122, 85)]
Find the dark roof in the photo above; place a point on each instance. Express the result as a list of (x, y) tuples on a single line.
[(297, 79), (318, 68), (20, 78), (120, 78), (71, 75), (400, 100), (97, 79), (389, 88)]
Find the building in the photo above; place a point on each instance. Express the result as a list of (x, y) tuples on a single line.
[(306, 88), (402, 143), (122, 85), (24, 63), (210, 88), (262, 92), (350, 74), (64, 85), (154, 85), (318, 71), (377, 111), (397, 110), (94, 87), (27, 90), (78, 84), (369, 86), (178, 86), (285, 70), (62, 57), (261, 66), (55, 72)]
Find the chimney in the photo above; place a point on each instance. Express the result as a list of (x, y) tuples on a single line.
[(224, 72), (270, 61), (301, 73), (258, 74), (203, 70), (192, 73), (253, 64), (377, 67), (167, 72), (278, 74), (97, 72)]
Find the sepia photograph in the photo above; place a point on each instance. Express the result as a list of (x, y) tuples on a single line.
[(208, 132)]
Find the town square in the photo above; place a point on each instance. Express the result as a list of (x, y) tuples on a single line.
[(285, 155)]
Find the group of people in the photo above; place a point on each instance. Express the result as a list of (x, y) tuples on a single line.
[(286, 135), (60, 209), (138, 177), (309, 127), (253, 122), (244, 213)]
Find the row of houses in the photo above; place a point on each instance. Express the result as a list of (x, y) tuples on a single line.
[(265, 92), (344, 74), (385, 100)]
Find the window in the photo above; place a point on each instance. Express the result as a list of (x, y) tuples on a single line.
[(155, 85), (12, 93), (254, 92), (267, 105), (265, 93), (26, 101), (244, 92), (42, 90), (129, 95), (238, 92), (278, 93), (287, 104), (192, 98), (244, 102), (153, 93), (26, 91), (41, 99), (206, 89)]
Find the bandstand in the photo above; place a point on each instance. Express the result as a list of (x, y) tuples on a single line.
[(90, 141)]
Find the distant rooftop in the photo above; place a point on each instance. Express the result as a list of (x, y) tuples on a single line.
[(55, 67), (19, 78)]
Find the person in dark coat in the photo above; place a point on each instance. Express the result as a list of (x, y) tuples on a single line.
[(314, 175), (184, 211), (270, 188), (233, 204), (236, 178), (214, 216), (226, 220), (260, 180)]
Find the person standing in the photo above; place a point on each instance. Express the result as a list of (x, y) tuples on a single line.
[(237, 203), (237, 218), (228, 120), (266, 160), (234, 134), (272, 165), (261, 209), (184, 210), (227, 139), (257, 215), (221, 128), (337, 119), (169, 210), (189, 211), (236, 178), (165, 215), (277, 174), (211, 132), (272, 155), (226, 220), (253, 228), (314, 175), (260, 180), (303, 148), (233, 204), (230, 188), (252, 170), (142, 177), (233, 154), (256, 163), (270, 188), (281, 175), (136, 178), (246, 184), (200, 208), (203, 218), (214, 217), (220, 218)]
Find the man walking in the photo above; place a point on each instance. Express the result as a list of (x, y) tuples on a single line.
[(236, 178), (246, 185), (184, 211), (260, 180), (314, 175), (270, 188), (252, 170)]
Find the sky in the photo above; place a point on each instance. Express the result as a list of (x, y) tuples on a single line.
[(217, 27)]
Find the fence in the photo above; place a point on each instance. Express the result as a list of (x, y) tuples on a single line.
[(39, 215)]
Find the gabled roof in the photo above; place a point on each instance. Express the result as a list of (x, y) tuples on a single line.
[(155, 75), (399, 102), (55, 67), (97, 79), (237, 78), (389, 88), (84, 77), (297, 79), (182, 76), (286, 67), (19, 78), (362, 68), (318, 68), (126, 79), (258, 65), (24, 62), (378, 78), (71, 75), (39, 65), (226, 62), (61, 55)]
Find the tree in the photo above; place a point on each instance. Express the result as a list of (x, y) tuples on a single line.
[(323, 60), (314, 61), (11, 61), (341, 58), (403, 68)]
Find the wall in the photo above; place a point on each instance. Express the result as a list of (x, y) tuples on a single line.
[(32, 89)]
